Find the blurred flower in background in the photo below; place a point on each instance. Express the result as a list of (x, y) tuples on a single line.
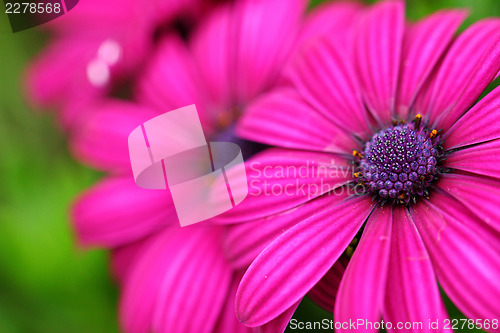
[(107, 67), (100, 45)]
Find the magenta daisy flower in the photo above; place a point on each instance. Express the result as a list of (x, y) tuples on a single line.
[(396, 107)]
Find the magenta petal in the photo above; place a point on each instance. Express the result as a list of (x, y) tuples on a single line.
[(102, 139), (325, 291), (323, 76), (481, 196), (280, 179), (278, 324), (171, 81), (122, 258), (466, 266), (284, 119), (117, 211), (333, 18), (228, 321), (412, 293), (362, 288), (214, 64), (138, 301), (424, 43), (181, 266), (171, 10), (377, 56), (107, 19), (197, 283), (482, 159), (468, 67), (291, 265), (243, 242), (479, 124), (482, 76), (264, 32), (65, 60)]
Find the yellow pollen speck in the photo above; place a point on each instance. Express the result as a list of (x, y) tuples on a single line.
[(433, 134), (357, 154), (349, 251), (418, 121)]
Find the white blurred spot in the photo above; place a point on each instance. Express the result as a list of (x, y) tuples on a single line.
[(110, 51), (98, 72)]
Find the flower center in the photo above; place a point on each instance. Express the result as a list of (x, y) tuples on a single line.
[(400, 162)]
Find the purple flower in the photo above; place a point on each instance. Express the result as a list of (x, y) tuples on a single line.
[(394, 105)]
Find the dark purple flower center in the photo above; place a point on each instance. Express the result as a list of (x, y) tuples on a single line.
[(400, 162)]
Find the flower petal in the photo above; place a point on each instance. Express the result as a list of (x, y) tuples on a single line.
[(65, 59), (377, 56), (482, 76), (108, 20), (424, 43), (466, 266), (325, 291), (412, 293), (482, 159), (467, 68), (280, 179), (278, 324), (102, 139), (291, 265), (323, 76), (228, 321), (214, 63), (333, 18), (122, 258), (137, 301), (116, 212), (480, 195), (284, 119), (171, 81), (264, 35), (243, 242), (362, 288), (181, 266), (479, 124)]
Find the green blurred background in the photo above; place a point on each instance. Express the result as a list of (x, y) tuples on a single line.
[(47, 284)]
